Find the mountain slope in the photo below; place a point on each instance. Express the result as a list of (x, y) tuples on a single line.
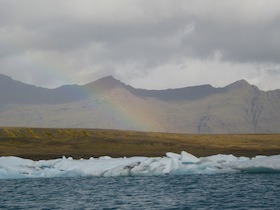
[(15, 92), (108, 103)]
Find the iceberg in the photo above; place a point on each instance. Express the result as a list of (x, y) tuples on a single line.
[(171, 164)]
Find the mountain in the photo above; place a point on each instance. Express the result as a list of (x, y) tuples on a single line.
[(15, 92), (109, 103)]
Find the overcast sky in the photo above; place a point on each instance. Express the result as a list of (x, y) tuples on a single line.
[(152, 44)]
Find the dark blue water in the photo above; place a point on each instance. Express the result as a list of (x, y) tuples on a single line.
[(224, 191)]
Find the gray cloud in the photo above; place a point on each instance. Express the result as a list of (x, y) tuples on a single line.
[(140, 42), (238, 42)]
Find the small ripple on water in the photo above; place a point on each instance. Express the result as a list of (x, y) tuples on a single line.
[(238, 191)]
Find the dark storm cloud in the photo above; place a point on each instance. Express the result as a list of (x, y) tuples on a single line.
[(47, 27), (139, 39)]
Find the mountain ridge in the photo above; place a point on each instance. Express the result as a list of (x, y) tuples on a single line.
[(108, 103), (71, 93)]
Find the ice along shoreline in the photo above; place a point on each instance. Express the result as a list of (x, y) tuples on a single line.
[(171, 164)]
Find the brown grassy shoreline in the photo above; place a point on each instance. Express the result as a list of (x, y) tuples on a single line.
[(47, 143)]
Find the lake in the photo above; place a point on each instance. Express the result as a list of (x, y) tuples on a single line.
[(197, 191)]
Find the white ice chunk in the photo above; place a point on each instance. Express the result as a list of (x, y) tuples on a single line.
[(259, 164), (187, 158), (174, 164), (172, 155)]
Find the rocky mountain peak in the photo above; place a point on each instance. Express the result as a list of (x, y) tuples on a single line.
[(103, 84), (240, 84)]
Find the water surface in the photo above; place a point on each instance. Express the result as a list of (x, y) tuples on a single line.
[(219, 191)]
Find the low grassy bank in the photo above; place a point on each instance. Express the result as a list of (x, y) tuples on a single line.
[(44, 143)]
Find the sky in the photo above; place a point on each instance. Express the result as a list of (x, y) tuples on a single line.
[(151, 44)]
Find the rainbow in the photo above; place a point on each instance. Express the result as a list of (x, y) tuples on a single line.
[(127, 115), (139, 116), (132, 114)]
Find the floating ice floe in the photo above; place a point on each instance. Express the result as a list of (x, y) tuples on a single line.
[(172, 164)]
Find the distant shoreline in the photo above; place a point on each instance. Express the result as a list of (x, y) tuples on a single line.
[(50, 143)]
